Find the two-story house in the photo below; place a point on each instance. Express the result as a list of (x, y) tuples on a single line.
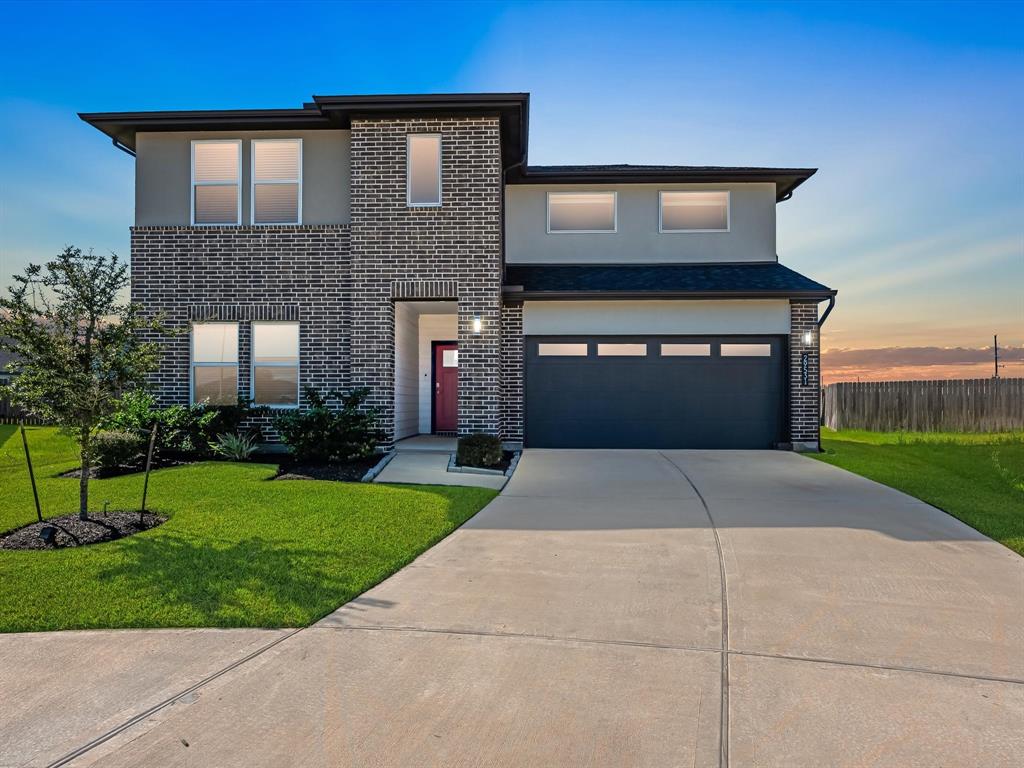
[(405, 245)]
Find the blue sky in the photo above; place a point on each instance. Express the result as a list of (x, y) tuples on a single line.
[(912, 112)]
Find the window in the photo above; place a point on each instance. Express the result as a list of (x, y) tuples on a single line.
[(276, 181), (746, 350), (622, 350), (686, 350), (423, 169), (581, 212), (694, 212), (449, 358), (215, 363), (275, 364), (562, 350), (216, 182)]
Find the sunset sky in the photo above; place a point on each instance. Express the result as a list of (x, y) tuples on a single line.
[(912, 112)]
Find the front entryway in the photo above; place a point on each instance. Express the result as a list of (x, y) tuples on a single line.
[(655, 391), (446, 387)]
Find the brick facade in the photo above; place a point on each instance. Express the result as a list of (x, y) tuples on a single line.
[(448, 252), (804, 400), (244, 274), (512, 372)]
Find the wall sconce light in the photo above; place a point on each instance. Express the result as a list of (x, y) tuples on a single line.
[(478, 324), (808, 338)]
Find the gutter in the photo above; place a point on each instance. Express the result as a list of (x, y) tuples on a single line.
[(123, 147), (516, 293)]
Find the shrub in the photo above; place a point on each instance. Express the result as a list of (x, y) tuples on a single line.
[(322, 434), (117, 450), (234, 447), (479, 450), (184, 431)]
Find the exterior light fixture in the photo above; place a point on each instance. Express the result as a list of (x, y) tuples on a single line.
[(478, 324), (808, 338)]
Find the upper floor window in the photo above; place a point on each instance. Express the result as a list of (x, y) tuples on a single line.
[(215, 363), (423, 169), (275, 364), (277, 181), (217, 181), (581, 212), (694, 212)]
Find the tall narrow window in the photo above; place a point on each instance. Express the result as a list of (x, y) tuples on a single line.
[(423, 161), (277, 181), (275, 364), (694, 211), (215, 363), (216, 182), (581, 212)]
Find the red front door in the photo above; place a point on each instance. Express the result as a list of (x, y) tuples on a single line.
[(446, 387)]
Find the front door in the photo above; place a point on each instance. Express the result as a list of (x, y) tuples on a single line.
[(446, 386)]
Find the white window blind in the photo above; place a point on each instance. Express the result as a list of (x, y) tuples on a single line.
[(423, 159), (277, 181), (216, 182), (694, 211), (581, 212), (275, 364), (215, 363)]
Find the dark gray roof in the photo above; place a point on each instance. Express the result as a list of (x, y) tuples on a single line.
[(753, 279)]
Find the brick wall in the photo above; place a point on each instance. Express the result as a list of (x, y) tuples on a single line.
[(244, 274), (449, 252), (512, 372), (804, 400)]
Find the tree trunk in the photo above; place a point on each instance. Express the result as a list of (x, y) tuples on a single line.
[(83, 482)]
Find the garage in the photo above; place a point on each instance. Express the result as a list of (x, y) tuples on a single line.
[(654, 391)]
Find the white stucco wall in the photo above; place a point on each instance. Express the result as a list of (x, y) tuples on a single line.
[(656, 317)]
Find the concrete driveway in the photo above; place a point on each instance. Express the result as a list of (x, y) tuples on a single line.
[(580, 620)]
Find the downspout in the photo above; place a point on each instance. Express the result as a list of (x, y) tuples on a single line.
[(831, 304)]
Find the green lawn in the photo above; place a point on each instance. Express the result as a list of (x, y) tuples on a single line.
[(238, 549), (974, 477)]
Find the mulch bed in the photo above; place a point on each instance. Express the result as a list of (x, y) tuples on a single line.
[(351, 472), (72, 532), (503, 465), (95, 474)]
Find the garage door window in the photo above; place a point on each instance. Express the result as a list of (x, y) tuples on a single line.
[(686, 350), (621, 350), (562, 350), (746, 350)]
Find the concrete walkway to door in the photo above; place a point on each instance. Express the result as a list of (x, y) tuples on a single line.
[(616, 608)]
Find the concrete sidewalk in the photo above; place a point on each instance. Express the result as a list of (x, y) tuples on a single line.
[(609, 608)]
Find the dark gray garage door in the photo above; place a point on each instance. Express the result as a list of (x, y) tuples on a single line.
[(654, 391)]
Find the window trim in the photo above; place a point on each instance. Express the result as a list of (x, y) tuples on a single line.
[(253, 365), (253, 182), (661, 212), (615, 213), (192, 364), (193, 183), (408, 171)]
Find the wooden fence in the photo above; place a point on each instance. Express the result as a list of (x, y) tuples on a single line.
[(11, 414), (956, 405)]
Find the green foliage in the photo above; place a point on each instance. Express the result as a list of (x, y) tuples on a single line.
[(77, 346), (324, 434), (234, 447), (479, 450), (238, 550), (183, 431), (116, 450)]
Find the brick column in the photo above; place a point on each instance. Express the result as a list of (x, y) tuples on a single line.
[(512, 373), (804, 399)]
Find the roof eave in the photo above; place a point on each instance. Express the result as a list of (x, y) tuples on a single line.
[(513, 293)]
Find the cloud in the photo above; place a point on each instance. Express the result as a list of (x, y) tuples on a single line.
[(897, 356)]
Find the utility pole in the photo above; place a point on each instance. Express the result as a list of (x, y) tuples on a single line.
[(995, 352)]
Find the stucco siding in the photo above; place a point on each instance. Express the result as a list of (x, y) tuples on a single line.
[(751, 235), (163, 174), (656, 317)]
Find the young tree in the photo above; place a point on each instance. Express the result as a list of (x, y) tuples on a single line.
[(77, 345)]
